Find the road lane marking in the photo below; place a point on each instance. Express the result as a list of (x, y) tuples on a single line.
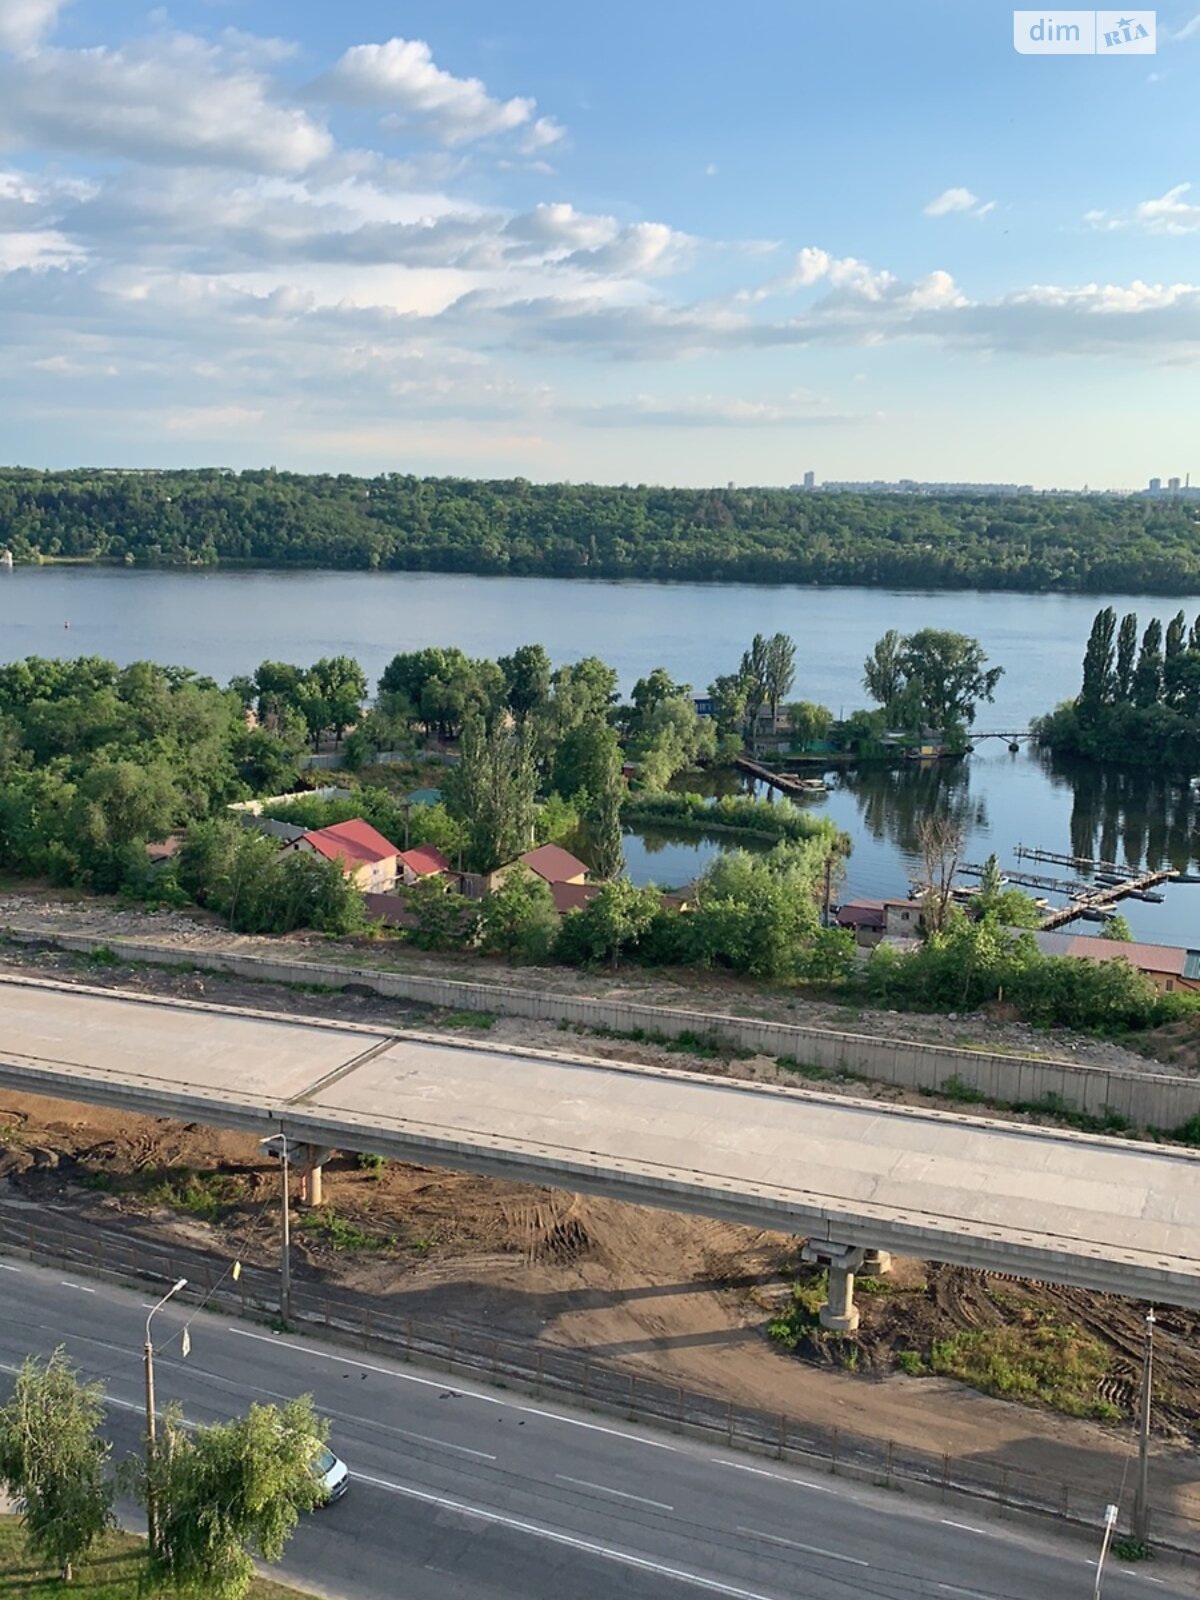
[(572, 1541), (4, 1267), (449, 1383), (761, 1472), (967, 1528), (972, 1594), (603, 1488), (811, 1549), (82, 1287)]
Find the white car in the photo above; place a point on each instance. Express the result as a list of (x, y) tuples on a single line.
[(333, 1473)]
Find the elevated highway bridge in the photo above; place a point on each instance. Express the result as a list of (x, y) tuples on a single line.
[(855, 1178)]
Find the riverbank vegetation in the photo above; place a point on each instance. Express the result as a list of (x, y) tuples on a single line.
[(209, 516), (1139, 699)]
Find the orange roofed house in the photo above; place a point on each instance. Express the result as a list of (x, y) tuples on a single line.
[(361, 851), (550, 862)]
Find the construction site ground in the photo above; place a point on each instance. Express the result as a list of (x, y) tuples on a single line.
[(685, 1299)]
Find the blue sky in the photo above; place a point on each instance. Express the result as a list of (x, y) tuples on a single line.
[(652, 242)]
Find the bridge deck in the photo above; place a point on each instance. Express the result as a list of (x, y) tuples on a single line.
[(1105, 1213)]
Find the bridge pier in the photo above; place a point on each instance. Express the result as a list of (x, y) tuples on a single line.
[(845, 1262), (312, 1163)]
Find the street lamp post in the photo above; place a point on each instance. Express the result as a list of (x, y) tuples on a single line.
[(1141, 1499), (279, 1145), (151, 1429), (1110, 1522)]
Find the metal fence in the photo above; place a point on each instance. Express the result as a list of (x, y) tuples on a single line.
[(548, 1371)]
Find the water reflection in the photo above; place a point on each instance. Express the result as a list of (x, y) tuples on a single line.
[(894, 801)]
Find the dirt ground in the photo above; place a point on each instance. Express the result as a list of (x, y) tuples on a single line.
[(684, 1298)]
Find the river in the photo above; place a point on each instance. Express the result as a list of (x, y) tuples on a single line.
[(226, 622)]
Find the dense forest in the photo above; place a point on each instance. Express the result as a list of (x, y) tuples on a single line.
[(396, 521), (1139, 699)]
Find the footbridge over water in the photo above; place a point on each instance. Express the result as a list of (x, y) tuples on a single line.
[(852, 1176)]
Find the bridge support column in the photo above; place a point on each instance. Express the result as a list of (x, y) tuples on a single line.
[(839, 1314), (313, 1159)]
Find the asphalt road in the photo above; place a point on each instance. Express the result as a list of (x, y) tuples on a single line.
[(463, 1493)]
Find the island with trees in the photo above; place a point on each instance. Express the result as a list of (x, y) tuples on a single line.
[(208, 516), (1139, 698)]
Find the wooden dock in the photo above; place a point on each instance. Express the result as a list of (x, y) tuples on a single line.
[(1102, 898), (1092, 901), (783, 781)]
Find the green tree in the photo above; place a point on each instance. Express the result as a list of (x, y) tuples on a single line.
[(585, 761), (952, 672), (755, 672), (53, 1462), (730, 694), (884, 669), (780, 671), (442, 919), (526, 681), (651, 691), (518, 919), (1148, 674), (1097, 687), (340, 686), (1127, 639), (810, 722), (1117, 928), (611, 923), (229, 1489), (606, 844), (491, 791)]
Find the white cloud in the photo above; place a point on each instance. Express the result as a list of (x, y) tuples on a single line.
[(1189, 30), (799, 409), (206, 422), (1169, 213), (166, 99), (401, 78), (541, 135), (23, 23), (955, 201)]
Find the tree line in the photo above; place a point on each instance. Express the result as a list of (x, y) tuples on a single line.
[(1139, 696), (396, 521)]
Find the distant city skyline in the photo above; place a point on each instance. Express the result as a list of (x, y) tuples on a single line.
[(520, 241)]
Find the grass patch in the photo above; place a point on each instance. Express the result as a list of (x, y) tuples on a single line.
[(342, 1234), (483, 1020), (804, 1069), (207, 1196), (912, 1362), (1038, 1359), (102, 956), (115, 1571)]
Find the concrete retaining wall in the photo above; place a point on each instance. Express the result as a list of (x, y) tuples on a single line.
[(1149, 1100)]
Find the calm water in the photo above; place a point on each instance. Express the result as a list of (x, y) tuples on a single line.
[(227, 622)]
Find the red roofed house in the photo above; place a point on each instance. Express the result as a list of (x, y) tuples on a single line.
[(359, 849), (422, 861)]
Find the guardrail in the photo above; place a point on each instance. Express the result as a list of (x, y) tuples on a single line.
[(548, 1371)]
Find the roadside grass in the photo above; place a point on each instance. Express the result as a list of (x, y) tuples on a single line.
[(206, 1195), (116, 1571), (1041, 1359), (341, 1234)]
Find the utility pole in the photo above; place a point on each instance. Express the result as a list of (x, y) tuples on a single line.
[(151, 1425), (828, 888), (1141, 1501)]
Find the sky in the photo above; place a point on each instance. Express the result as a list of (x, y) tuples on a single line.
[(651, 242)]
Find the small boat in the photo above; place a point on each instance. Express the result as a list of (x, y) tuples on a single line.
[(1151, 896), (1110, 877), (1186, 877), (1092, 914)]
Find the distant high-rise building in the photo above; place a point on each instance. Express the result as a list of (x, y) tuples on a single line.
[(1174, 485), (1155, 485), (810, 480)]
